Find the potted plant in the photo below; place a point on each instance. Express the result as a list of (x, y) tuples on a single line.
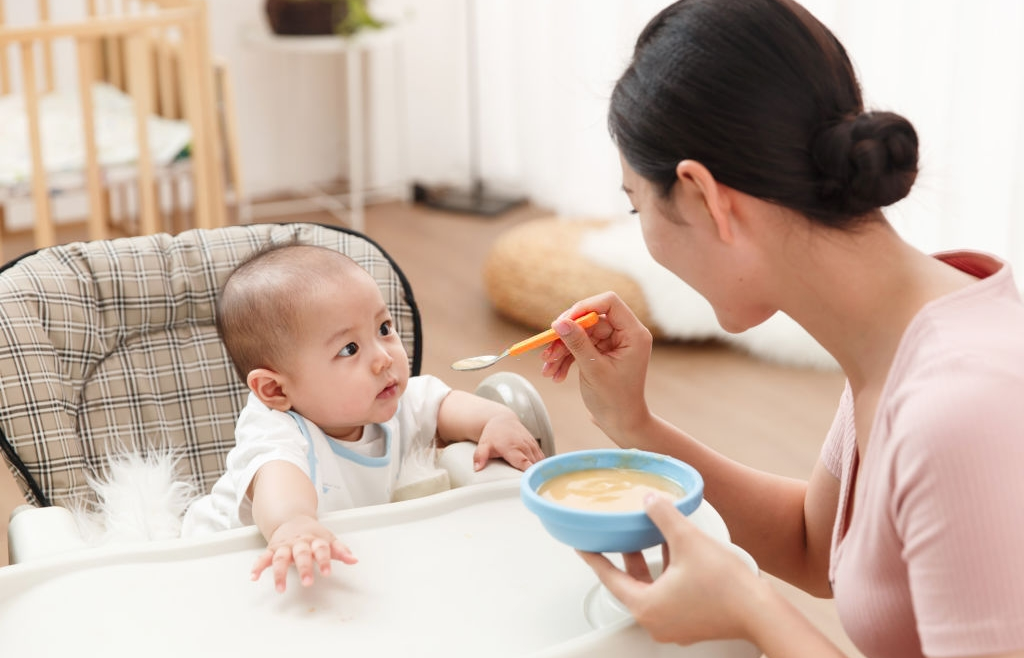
[(313, 17)]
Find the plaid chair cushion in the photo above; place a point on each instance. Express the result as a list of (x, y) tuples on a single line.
[(110, 346)]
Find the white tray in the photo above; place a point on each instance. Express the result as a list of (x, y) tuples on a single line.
[(468, 572)]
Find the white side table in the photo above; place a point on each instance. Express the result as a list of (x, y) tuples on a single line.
[(353, 49)]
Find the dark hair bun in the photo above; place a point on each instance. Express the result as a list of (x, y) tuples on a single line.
[(865, 162)]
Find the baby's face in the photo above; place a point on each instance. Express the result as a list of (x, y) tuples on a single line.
[(350, 368)]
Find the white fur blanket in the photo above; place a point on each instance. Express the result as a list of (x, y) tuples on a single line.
[(680, 312), (143, 498), (139, 499)]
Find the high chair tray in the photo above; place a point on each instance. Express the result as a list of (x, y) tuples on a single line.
[(468, 572)]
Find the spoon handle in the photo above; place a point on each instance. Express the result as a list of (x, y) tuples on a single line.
[(545, 337)]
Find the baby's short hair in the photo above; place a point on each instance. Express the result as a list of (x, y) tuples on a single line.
[(257, 311)]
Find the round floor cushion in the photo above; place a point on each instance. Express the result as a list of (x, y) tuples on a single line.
[(534, 271)]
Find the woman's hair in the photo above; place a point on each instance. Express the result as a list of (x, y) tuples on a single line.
[(765, 97), (261, 305)]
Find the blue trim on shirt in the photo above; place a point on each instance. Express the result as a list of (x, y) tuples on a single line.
[(364, 460), (341, 451), (310, 453)]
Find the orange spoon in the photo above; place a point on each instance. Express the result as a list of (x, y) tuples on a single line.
[(543, 338)]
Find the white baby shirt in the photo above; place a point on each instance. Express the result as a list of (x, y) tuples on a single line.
[(345, 474)]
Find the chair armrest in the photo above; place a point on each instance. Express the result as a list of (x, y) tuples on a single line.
[(37, 532), (457, 459)]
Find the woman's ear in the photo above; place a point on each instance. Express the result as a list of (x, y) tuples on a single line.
[(716, 200), (267, 386)]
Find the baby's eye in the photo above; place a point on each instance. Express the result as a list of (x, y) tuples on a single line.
[(633, 211), (386, 328), (349, 350)]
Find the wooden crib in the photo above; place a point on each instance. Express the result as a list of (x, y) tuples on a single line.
[(153, 54)]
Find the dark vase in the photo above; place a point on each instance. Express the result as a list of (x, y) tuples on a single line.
[(305, 17)]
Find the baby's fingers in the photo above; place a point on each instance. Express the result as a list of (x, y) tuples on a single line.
[(519, 458), (342, 553), (261, 563), (281, 561), (302, 554), (321, 555), (534, 453)]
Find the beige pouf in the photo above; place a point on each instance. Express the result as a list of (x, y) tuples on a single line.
[(534, 271)]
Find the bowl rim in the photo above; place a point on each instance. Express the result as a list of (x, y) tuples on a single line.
[(624, 520)]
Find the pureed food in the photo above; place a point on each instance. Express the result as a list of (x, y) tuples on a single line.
[(607, 489)]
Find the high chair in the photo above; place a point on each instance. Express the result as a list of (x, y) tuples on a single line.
[(108, 347)]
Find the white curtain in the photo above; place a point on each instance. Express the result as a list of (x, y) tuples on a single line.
[(955, 68)]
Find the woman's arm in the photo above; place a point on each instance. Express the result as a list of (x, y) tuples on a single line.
[(706, 592), (784, 523)]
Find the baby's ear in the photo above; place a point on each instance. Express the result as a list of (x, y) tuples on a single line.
[(266, 384)]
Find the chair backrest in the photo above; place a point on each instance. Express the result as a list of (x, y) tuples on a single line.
[(110, 346)]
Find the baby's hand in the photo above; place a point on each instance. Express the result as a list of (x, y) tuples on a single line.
[(304, 541), (504, 436)]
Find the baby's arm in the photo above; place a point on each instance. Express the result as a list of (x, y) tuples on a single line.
[(493, 426), (284, 503)]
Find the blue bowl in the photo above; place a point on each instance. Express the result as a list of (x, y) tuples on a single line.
[(606, 532)]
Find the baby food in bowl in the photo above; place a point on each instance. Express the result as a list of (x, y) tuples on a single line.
[(607, 489), (592, 500)]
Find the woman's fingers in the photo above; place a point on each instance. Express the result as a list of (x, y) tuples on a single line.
[(636, 566), (576, 339), (622, 585), (674, 525)]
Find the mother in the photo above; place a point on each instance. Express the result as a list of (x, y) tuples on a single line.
[(759, 178)]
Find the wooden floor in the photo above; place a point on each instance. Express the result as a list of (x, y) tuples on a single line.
[(767, 416)]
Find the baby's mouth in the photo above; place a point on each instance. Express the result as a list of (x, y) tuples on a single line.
[(388, 391)]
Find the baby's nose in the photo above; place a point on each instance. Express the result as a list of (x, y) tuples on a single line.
[(383, 360)]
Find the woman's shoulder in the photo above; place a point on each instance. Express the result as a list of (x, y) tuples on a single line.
[(956, 391), (979, 328)]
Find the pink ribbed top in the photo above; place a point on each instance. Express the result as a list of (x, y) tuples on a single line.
[(932, 562)]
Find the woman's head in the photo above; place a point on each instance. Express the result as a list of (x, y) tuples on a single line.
[(764, 96)]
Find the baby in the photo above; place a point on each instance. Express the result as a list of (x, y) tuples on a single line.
[(332, 412)]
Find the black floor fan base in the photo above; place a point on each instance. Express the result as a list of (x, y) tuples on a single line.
[(472, 201)]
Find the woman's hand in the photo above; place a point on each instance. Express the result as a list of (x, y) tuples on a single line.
[(612, 358), (705, 591), (304, 541)]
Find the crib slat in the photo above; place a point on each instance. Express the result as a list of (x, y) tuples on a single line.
[(113, 72), (192, 95), (5, 79), (167, 106), (97, 218), (44, 230), (209, 108), (47, 45), (140, 87), (230, 140)]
